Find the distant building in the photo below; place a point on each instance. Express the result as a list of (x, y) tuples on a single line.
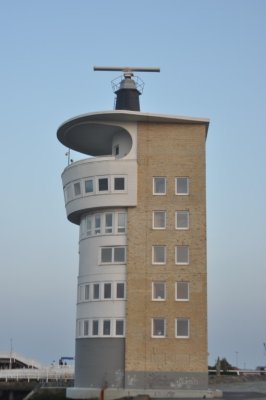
[(140, 203)]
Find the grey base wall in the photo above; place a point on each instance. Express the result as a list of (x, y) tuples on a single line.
[(166, 380), (100, 363)]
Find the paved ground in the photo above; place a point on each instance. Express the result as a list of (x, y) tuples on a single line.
[(243, 396), (251, 390)]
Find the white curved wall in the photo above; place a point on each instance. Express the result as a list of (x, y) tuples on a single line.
[(94, 169)]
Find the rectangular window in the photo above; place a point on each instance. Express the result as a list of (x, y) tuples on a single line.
[(80, 293), (119, 254), (113, 255), (158, 254), (107, 291), (158, 327), (159, 220), (182, 291), (103, 184), (182, 255), (106, 254), (159, 185), (97, 224), (182, 185), (87, 292), (158, 291), (77, 189), (96, 291), (182, 219), (89, 225), (119, 183), (106, 327), (95, 327), (119, 327), (182, 328), (68, 193), (89, 186), (79, 328), (120, 290), (86, 328), (108, 223), (121, 222)]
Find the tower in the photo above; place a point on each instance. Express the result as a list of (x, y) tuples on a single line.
[(140, 202)]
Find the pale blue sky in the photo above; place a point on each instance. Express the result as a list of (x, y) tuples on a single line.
[(213, 62)]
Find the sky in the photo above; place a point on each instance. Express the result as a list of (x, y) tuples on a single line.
[(213, 62)]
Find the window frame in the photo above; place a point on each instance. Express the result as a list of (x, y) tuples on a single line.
[(115, 327), (75, 185), (154, 290), (180, 299), (114, 190), (116, 290), (89, 179), (188, 328), (176, 255), (95, 284), (153, 220), (113, 260), (187, 184), (153, 335), (105, 286), (101, 178), (153, 255), (110, 327), (155, 193), (93, 321), (188, 220)]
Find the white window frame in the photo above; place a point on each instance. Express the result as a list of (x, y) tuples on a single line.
[(176, 255), (92, 327), (153, 255), (103, 290), (93, 186), (113, 261), (113, 184), (110, 331), (188, 328), (87, 291), (153, 219), (116, 286), (97, 230), (182, 212), (163, 335), (79, 328), (108, 230), (115, 327), (92, 295), (68, 193), (98, 191), (182, 193), (86, 326), (120, 229), (176, 291), (154, 186), (80, 188), (154, 298)]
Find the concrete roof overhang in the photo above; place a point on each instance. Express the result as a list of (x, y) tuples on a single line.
[(92, 133)]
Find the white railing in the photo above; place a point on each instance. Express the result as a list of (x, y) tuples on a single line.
[(50, 373)]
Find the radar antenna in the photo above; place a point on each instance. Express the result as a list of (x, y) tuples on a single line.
[(127, 90)]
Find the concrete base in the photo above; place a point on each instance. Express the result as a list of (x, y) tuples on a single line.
[(112, 394)]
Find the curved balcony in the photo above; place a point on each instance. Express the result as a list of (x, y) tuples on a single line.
[(99, 182)]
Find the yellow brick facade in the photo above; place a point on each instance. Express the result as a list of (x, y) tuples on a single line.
[(167, 150)]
